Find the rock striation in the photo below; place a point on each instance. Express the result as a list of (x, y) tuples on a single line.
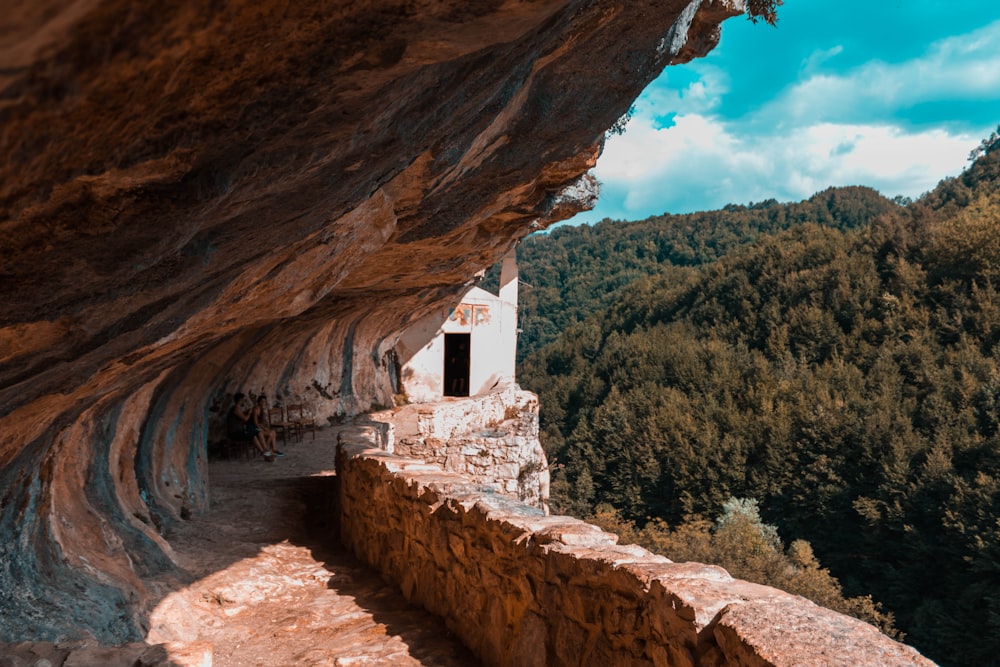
[(199, 198)]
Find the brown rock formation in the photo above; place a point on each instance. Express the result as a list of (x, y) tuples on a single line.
[(200, 197)]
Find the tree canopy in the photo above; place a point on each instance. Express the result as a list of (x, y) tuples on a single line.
[(836, 360)]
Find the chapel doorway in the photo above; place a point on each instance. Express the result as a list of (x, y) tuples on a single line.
[(457, 351)]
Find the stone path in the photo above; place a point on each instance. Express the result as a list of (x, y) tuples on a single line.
[(272, 586)]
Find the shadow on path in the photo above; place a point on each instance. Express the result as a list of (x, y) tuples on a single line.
[(270, 584)]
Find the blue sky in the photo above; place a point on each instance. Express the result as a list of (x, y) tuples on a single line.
[(893, 95)]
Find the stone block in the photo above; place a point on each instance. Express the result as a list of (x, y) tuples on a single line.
[(527, 645), (32, 654), (456, 543), (570, 637), (582, 535), (776, 630), (113, 656), (188, 654), (524, 588)]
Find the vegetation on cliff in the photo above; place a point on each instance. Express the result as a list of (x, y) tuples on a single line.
[(837, 360), (572, 272)]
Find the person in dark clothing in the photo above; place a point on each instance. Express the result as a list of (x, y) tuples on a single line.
[(241, 428)]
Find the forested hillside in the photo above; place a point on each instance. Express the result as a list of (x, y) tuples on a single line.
[(835, 360), (574, 271)]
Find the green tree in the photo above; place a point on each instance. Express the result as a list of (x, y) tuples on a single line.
[(836, 359), (749, 549)]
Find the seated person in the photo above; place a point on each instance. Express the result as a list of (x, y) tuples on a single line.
[(259, 417), (241, 428)]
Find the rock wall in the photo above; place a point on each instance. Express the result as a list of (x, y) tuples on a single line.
[(521, 588), (46, 654), (199, 198), (491, 439)]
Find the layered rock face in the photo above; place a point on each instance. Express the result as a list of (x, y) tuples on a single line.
[(198, 198)]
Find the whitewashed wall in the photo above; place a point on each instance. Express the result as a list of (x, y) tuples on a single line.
[(491, 322)]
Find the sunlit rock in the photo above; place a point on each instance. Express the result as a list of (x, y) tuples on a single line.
[(201, 198)]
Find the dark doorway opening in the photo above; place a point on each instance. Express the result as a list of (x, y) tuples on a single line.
[(456, 364)]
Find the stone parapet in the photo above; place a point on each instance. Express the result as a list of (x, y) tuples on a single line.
[(507, 408), (492, 439), (170, 654), (522, 588)]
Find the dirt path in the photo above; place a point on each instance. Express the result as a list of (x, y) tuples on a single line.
[(271, 586)]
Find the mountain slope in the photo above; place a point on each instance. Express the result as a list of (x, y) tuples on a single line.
[(573, 271), (845, 374)]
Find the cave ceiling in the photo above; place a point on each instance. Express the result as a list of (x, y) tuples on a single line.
[(197, 197)]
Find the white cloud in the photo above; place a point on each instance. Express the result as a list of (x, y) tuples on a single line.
[(675, 93), (818, 58), (679, 154), (701, 163), (829, 129), (965, 67), (885, 157)]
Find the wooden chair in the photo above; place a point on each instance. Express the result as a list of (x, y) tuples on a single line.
[(276, 419), (302, 421)]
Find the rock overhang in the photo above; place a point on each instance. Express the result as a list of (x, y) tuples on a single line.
[(200, 198)]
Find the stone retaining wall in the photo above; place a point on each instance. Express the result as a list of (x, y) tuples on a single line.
[(48, 654), (492, 439), (522, 588)]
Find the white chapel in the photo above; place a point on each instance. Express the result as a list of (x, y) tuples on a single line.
[(466, 349)]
